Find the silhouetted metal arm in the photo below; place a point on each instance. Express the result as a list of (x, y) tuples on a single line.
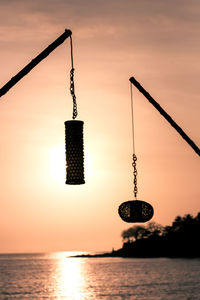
[(34, 62), (165, 115)]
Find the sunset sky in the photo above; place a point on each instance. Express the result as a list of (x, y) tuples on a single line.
[(157, 42)]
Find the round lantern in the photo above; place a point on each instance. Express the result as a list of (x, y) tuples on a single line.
[(135, 211)]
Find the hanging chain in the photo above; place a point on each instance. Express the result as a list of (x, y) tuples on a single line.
[(72, 90), (135, 190), (75, 113)]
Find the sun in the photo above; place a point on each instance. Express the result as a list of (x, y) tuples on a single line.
[(57, 163), (88, 166)]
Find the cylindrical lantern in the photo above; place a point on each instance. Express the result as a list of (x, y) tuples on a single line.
[(135, 211), (74, 152)]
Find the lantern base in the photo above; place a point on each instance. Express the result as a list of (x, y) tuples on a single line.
[(74, 182)]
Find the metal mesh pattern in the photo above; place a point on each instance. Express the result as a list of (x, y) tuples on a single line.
[(74, 152), (135, 211)]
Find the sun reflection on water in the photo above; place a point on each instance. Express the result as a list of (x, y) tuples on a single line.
[(70, 280)]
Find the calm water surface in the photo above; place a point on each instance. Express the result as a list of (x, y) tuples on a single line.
[(56, 276)]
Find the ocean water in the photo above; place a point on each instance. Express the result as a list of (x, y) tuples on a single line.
[(57, 276)]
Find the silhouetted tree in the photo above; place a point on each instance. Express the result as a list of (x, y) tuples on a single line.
[(134, 233), (155, 229), (137, 232), (181, 239)]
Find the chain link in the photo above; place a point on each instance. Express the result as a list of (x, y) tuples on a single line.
[(75, 112), (135, 190)]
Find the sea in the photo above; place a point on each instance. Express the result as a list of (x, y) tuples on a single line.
[(59, 276)]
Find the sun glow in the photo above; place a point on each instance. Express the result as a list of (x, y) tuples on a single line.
[(88, 165), (57, 163), (70, 281)]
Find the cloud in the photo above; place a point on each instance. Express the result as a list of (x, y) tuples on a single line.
[(118, 30), (168, 26), (90, 12)]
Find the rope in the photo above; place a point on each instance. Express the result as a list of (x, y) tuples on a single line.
[(135, 190), (133, 131), (71, 47)]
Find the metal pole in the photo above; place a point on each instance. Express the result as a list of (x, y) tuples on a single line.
[(165, 115), (34, 62)]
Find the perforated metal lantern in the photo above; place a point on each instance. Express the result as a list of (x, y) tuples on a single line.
[(135, 211), (74, 152)]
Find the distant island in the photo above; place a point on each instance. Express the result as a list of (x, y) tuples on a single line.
[(181, 239)]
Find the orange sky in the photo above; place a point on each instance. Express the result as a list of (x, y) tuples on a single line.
[(155, 41)]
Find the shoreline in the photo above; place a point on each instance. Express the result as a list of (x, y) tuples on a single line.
[(123, 254)]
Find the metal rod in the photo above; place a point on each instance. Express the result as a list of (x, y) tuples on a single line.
[(165, 115), (34, 62)]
